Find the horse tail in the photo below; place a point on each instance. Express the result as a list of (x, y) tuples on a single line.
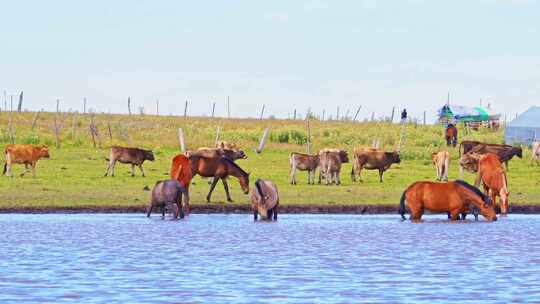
[(5, 168), (259, 188), (402, 210)]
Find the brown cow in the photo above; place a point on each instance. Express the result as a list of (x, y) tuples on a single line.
[(372, 159), (441, 160), (330, 161), (504, 152), (491, 174), (133, 156), (215, 152), (467, 146), (24, 154), (303, 162)]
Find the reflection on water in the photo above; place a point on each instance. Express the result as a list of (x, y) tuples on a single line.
[(301, 258)]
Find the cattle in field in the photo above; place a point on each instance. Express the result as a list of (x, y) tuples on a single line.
[(451, 135), (441, 161), (303, 162), (330, 162), (124, 155), (265, 200), (504, 152), (467, 146), (535, 152), (24, 154), (372, 159), (215, 152), (492, 176)]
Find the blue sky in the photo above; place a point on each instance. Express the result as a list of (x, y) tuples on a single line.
[(284, 54)]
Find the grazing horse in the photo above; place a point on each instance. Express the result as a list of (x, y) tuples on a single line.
[(265, 200), (454, 197), (181, 172), (492, 176), (451, 135), (219, 168)]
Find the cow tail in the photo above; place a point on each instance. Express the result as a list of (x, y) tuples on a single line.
[(402, 210)]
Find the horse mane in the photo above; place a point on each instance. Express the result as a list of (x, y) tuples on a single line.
[(471, 187), (225, 159), (259, 188)]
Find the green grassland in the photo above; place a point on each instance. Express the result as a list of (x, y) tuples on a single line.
[(73, 177)]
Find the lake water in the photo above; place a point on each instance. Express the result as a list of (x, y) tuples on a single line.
[(95, 258)]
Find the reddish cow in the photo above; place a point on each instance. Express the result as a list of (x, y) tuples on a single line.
[(24, 154)]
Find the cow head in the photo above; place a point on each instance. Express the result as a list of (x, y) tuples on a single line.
[(393, 157), (343, 156), (149, 155), (44, 152)]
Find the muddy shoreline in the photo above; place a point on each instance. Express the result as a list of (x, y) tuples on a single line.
[(245, 208)]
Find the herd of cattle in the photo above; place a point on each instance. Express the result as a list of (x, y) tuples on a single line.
[(486, 160)]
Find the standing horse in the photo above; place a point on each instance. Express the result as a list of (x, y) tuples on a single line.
[(492, 176), (451, 135), (181, 171), (454, 197), (219, 168), (265, 200)]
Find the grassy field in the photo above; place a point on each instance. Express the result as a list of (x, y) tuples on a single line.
[(73, 177)]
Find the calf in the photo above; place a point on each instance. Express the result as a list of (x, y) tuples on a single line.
[(133, 156), (169, 193), (373, 159), (303, 162), (441, 160), (24, 154), (265, 200), (331, 161)]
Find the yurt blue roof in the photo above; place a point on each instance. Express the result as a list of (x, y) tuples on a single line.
[(528, 119)]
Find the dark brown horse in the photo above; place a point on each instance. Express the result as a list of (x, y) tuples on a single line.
[(454, 197), (219, 168), (451, 135)]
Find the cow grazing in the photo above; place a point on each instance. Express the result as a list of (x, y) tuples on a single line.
[(492, 176), (24, 154), (504, 152), (441, 160), (373, 159), (535, 152), (133, 156), (265, 200), (303, 162), (451, 135), (330, 162)]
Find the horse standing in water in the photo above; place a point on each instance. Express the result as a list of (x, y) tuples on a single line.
[(265, 200), (492, 176), (181, 171), (219, 168), (451, 135), (454, 197)]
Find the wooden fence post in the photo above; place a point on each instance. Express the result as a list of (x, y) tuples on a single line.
[(424, 118), (84, 105), (185, 109), (218, 131), (74, 125), (337, 113), (34, 121), (308, 136), (129, 105), (357, 112), (109, 128), (213, 109), (294, 115), (182, 140), (392, 116), (19, 107), (157, 107), (262, 113), (228, 108), (262, 143)]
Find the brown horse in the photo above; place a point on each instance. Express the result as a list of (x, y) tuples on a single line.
[(451, 135), (454, 197), (492, 176), (219, 168), (181, 171)]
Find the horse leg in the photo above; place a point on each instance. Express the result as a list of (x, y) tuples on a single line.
[(109, 166), (454, 215), (338, 178), (269, 213), (142, 170), (132, 170), (293, 176), (214, 182), (34, 168), (381, 172), (255, 213), (163, 211), (149, 209), (226, 187), (276, 208)]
